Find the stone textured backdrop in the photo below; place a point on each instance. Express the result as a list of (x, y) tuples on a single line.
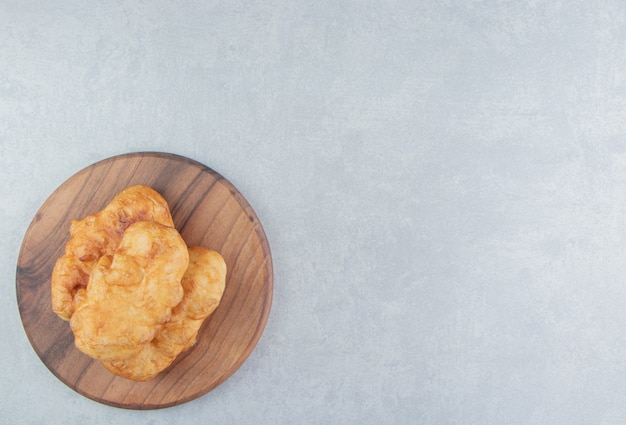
[(442, 185)]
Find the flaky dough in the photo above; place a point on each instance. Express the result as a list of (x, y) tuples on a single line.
[(131, 293), (97, 235), (134, 293), (203, 285)]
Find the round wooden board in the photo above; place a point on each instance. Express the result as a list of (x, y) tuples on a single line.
[(208, 211)]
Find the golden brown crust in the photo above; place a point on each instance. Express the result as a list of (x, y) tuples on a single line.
[(130, 294), (134, 294), (97, 235), (203, 284)]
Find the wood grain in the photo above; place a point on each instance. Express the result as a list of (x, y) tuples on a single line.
[(208, 211)]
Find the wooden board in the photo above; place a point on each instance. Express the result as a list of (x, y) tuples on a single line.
[(208, 211)]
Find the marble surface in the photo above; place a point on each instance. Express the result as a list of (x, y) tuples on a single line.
[(442, 185)]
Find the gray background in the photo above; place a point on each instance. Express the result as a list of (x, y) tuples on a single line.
[(442, 185)]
